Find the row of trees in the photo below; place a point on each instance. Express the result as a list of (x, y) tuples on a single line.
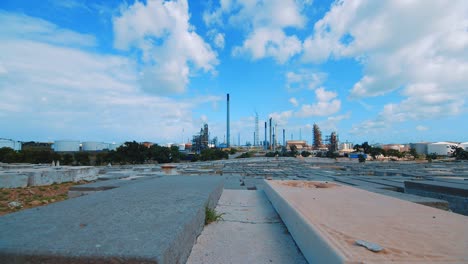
[(128, 153), (377, 151)]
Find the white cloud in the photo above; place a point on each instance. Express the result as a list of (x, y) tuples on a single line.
[(293, 101), (331, 123), (265, 23), (421, 128), (417, 47), (281, 118), (217, 38), (61, 91), (304, 79), (268, 42), (171, 49), (326, 104), (41, 30)]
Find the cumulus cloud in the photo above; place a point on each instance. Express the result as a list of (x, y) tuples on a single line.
[(41, 30), (421, 128), (59, 91), (217, 38), (418, 48), (281, 118), (265, 24), (171, 49), (326, 104), (293, 101), (331, 123), (304, 79)]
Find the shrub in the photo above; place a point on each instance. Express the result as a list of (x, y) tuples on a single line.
[(361, 158)]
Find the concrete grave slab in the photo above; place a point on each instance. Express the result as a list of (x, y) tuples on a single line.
[(152, 221), (326, 220)]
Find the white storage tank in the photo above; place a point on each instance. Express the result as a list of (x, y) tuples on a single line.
[(94, 146), (464, 145), (114, 146), (440, 148), (66, 145), (8, 143)]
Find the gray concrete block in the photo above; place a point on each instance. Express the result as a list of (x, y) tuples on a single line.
[(13, 180), (455, 194), (152, 221)]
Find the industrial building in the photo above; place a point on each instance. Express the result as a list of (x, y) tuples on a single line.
[(201, 141), (8, 143), (346, 147), (299, 144)]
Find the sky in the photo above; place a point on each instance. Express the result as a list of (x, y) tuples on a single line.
[(379, 71)]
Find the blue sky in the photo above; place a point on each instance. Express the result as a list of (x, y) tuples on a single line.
[(377, 71)]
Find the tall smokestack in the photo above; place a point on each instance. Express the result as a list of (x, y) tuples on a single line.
[(284, 138), (228, 132), (269, 143), (265, 142)]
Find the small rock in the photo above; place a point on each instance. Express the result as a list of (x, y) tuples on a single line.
[(14, 204), (45, 201), (35, 202), (369, 245), (52, 200)]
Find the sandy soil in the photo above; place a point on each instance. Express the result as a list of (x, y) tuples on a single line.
[(35, 196)]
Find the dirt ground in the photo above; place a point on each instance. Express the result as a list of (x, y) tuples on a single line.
[(30, 197)]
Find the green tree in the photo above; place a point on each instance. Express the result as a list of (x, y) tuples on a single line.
[(4, 152), (376, 151), (67, 159), (82, 158), (395, 153), (459, 153), (361, 158), (213, 154)]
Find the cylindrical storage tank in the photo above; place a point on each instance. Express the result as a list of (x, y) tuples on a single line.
[(66, 146), (114, 146), (346, 146), (464, 145), (440, 148), (93, 146), (7, 143), (421, 148), (188, 146)]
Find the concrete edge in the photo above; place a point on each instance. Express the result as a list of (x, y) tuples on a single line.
[(313, 246), (182, 245)]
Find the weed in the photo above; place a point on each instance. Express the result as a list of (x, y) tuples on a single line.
[(55, 187), (212, 216)]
